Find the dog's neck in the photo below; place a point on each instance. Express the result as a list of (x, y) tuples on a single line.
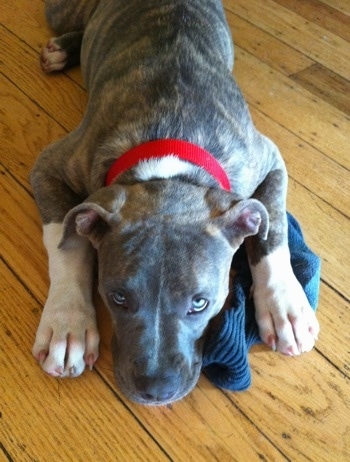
[(165, 159)]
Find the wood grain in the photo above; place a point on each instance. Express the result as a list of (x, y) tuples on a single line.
[(326, 84), (321, 14), (329, 179), (23, 63), (334, 316), (293, 65), (300, 111), (312, 422), (308, 38), (340, 5), (266, 48)]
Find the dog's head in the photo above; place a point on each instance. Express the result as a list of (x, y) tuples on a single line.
[(164, 255)]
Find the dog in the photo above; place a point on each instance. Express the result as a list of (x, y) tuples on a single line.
[(164, 179)]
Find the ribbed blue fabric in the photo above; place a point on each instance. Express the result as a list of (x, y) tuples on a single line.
[(225, 356)]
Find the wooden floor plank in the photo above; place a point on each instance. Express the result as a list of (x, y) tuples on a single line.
[(311, 409), (329, 239), (26, 20), (326, 84), (321, 14), (26, 130), (340, 5), (327, 179), (310, 39), (49, 419), (4, 456), (20, 63), (313, 120), (265, 47), (20, 237), (334, 340)]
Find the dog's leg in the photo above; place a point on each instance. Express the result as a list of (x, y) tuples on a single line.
[(67, 338), (61, 52), (69, 15), (69, 18), (285, 319)]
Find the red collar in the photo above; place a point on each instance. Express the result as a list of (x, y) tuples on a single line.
[(161, 148)]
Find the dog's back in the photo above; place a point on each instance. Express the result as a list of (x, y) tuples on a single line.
[(164, 70)]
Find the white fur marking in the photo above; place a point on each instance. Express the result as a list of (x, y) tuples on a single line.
[(157, 337), (165, 167), (273, 267), (65, 266), (67, 335), (157, 330)]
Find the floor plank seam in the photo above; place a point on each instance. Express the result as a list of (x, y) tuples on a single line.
[(124, 403), (6, 453), (340, 294), (344, 374), (257, 107), (324, 201), (232, 401), (18, 278), (19, 183)]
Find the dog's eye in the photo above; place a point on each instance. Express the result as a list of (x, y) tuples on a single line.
[(119, 298), (198, 305)]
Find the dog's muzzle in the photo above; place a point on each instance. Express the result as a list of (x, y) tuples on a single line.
[(170, 382)]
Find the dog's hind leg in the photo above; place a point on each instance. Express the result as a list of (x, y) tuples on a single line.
[(61, 52), (69, 15), (69, 19)]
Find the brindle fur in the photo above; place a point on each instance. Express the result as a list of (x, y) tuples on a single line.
[(159, 69)]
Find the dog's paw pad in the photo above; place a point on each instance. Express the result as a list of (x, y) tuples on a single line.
[(52, 57)]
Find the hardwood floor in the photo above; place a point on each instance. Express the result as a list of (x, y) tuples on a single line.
[(293, 66)]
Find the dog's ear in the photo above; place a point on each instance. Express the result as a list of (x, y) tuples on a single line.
[(91, 219), (246, 218), (239, 219)]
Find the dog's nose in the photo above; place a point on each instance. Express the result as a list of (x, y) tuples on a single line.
[(155, 389)]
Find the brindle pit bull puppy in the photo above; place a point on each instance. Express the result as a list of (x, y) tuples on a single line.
[(171, 214)]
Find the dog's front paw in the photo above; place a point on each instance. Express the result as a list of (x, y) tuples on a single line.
[(67, 338), (52, 57), (286, 321)]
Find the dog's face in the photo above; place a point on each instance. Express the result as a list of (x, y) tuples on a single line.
[(162, 284), (164, 256)]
